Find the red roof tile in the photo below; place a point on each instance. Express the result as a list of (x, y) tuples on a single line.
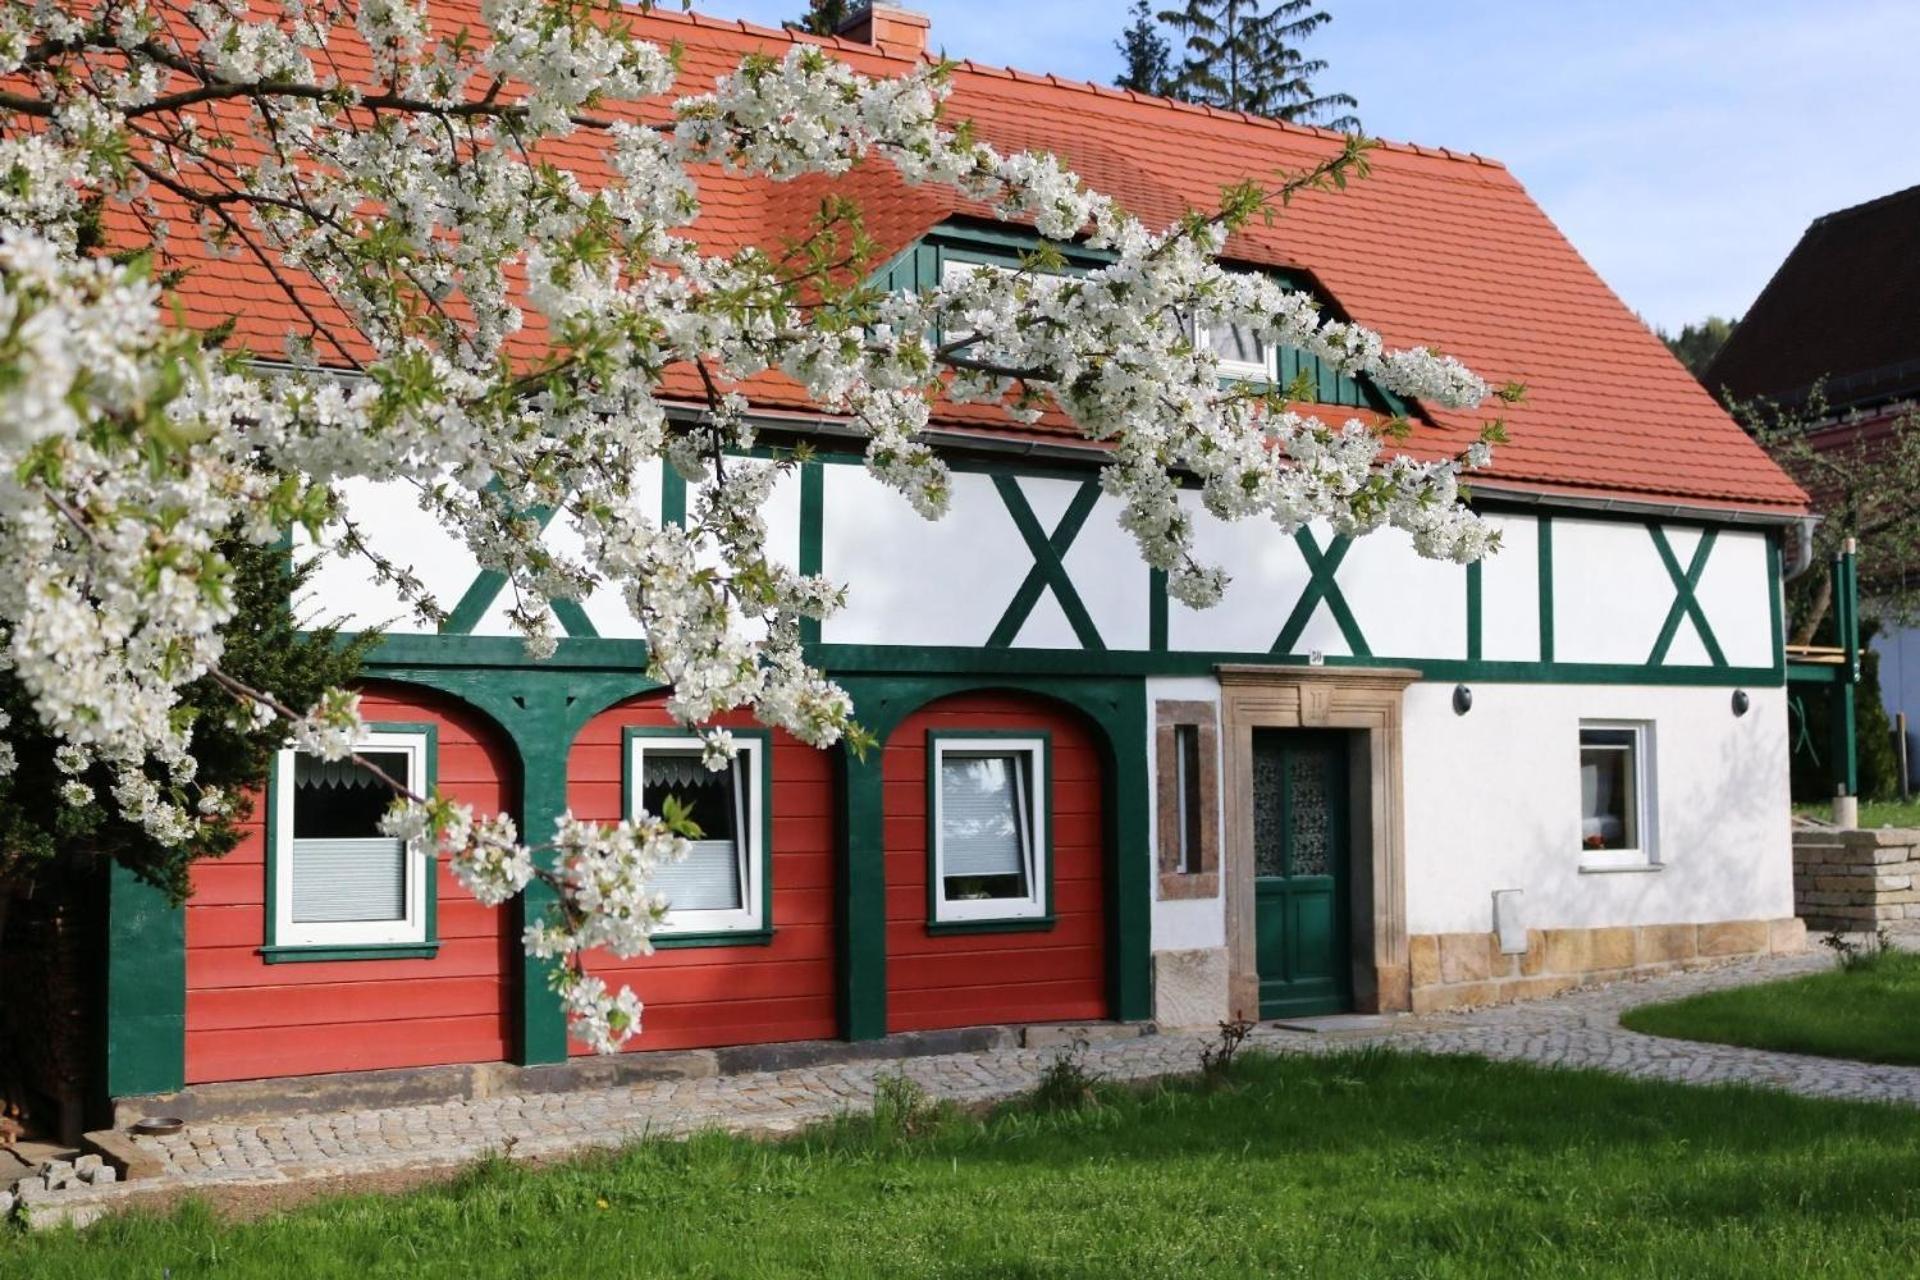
[(1435, 247)]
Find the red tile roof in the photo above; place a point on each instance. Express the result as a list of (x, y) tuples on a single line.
[(1435, 247)]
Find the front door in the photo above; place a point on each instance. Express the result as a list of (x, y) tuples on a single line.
[(1300, 885)]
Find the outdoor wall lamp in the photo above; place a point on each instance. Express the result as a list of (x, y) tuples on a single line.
[(1462, 699), (1741, 702)]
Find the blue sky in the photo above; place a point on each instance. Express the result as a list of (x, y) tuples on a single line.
[(1682, 146)]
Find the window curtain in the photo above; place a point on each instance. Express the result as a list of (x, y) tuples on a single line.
[(709, 878)]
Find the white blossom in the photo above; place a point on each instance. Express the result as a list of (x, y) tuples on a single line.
[(509, 315)]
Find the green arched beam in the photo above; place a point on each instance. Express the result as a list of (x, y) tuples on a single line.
[(541, 709), (1117, 708)]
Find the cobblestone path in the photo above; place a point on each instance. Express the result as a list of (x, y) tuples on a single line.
[(1578, 1029)]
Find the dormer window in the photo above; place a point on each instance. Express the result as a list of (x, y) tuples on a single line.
[(1241, 352)]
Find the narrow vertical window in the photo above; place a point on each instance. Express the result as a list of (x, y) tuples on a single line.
[(1187, 798), (1186, 755)]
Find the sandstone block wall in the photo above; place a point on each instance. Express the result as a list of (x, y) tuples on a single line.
[(1855, 881), (1455, 970)]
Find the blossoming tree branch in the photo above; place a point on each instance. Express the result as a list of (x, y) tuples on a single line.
[(493, 326)]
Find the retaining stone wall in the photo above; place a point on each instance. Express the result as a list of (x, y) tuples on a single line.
[(1855, 881)]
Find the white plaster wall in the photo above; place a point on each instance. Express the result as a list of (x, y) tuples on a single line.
[(1733, 592), (914, 581), (1184, 924), (388, 515), (1611, 594), (1610, 591), (1493, 797), (1510, 593), (1404, 602)]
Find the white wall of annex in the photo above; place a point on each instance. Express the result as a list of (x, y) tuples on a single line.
[(1612, 594), (1493, 798)]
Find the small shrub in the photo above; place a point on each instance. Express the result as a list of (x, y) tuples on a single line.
[(1216, 1059), (901, 1106), (1066, 1083), (1859, 957)]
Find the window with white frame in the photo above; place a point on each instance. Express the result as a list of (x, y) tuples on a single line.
[(988, 828), (1241, 352), (718, 887), (339, 881), (1616, 811)]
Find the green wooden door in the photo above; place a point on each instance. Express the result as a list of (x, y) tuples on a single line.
[(1300, 884)]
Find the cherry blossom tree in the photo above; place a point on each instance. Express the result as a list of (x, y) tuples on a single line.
[(496, 327)]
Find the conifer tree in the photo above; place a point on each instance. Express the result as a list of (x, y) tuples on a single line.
[(826, 17), (1145, 53), (1243, 59)]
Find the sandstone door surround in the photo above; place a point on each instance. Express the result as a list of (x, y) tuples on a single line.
[(1367, 701)]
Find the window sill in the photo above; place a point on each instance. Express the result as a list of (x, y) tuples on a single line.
[(715, 938), (366, 951), (1017, 924), (1624, 868)]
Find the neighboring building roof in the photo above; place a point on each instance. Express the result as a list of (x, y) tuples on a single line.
[(1435, 247), (1844, 306)]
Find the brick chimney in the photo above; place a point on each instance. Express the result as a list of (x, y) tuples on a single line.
[(900, 33)]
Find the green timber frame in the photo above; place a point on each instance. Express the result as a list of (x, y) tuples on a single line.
[(541, 706), (1838, 678)]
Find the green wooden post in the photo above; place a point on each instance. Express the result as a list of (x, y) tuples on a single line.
[(1130, 904), (146, 988), (1846, 605), (863, 897), (542, 737)]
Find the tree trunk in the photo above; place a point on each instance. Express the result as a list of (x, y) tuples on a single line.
[(1816, 612)]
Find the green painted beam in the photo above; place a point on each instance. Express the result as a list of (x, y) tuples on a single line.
[(146, 988), (1322, 586), (1686, 605), (1049, 571), (1543, 551)]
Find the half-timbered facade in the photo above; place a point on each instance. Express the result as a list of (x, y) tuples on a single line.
[(1365, 781)]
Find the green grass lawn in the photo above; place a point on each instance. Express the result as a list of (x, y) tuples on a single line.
[(1360, 1164), (1873, 813), (1872, 1014)]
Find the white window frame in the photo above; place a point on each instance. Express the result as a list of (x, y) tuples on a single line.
[(412, 929), (1645, 856), (1243, 370), (1031, 791), (750, 916)]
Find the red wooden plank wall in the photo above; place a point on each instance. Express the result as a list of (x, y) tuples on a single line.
[(959, 980), (247, 1019), (706, 996)]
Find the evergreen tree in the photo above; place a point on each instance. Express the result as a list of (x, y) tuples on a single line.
[(825, 17), (1145, 51), (1242, 59), (1696, 345)]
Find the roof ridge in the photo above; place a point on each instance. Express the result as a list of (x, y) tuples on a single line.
[(1892, 197), (794, 35)]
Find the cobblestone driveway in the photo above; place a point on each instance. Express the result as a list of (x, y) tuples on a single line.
[(1579, 1029)]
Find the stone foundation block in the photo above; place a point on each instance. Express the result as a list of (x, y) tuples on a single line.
[(1733, 938), (1785, 937), (1611, 948), (1423, 959), (1190, 987), (1465, 957), (1568, 950), (1664, 944)]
